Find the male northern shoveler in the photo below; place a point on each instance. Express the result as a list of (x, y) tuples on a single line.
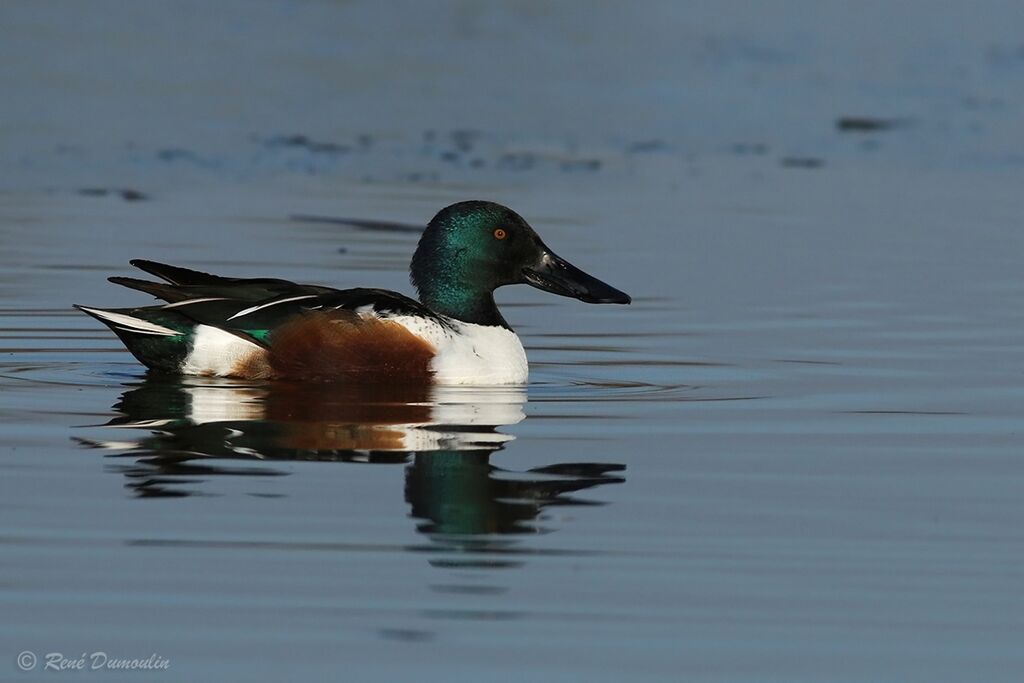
[(265, 328)]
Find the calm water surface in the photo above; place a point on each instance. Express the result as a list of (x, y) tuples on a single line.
[(796, 457)]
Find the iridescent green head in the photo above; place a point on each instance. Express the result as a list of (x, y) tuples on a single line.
[(471, 248)]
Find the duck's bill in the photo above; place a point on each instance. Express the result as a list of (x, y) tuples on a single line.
[(556, 275)]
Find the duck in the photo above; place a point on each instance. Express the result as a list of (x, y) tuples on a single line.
[(270, 329)]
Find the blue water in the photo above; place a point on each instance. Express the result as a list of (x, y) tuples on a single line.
[(795, 457)]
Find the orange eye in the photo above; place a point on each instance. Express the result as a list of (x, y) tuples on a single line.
[(500, 234)]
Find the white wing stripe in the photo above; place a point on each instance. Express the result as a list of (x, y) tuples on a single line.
[(138, 331), (195, 301), (253, 309), (131, 324)]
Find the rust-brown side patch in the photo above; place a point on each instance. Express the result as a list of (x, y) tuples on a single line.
[(256, 365), (341, 346)]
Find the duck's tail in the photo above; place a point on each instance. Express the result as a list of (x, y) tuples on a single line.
[(159, 338)]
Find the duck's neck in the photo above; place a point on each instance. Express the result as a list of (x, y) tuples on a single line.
[(462, 303)]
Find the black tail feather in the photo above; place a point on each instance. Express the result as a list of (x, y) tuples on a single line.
[(167, 292), (178, 276)]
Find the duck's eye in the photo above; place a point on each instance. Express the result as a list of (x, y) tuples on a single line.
[(500, 234)]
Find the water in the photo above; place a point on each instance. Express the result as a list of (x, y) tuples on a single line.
[(795, 457)]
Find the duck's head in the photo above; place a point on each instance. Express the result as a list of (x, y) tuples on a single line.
[(471, 248)]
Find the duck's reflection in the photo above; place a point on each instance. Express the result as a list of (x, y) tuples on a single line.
[(200, 429)]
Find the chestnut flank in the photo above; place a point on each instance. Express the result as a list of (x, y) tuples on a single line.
[(342, 346)]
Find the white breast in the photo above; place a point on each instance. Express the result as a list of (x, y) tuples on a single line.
[(471, 354)]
